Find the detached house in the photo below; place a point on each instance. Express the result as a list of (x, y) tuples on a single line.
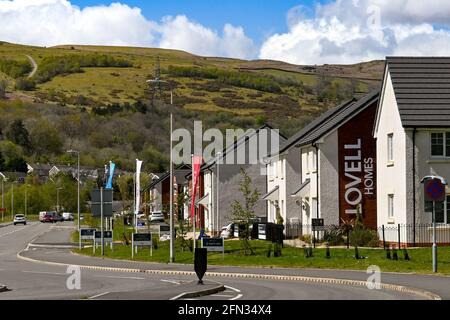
[(413, 140), (327, 170)]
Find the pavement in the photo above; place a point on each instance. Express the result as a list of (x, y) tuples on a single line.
[(118, 279)]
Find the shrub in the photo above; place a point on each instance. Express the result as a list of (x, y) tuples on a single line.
[(362, 237), (14, 69), (25, 84), (333, 236)]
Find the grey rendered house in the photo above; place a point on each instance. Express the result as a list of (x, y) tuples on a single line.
[(221, 176)]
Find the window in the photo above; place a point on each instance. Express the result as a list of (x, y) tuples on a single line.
[(390, 206), (440, 144), (437, 144), (442, 210), (314, 161), (390, 151)]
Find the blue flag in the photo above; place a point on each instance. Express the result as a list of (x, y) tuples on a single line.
[(112, 165)]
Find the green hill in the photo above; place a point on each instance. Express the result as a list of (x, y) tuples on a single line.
[(101, 82)]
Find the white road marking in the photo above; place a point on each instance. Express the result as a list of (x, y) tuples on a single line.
[(237, 297), (222, 295), (231, 288), (171, 281), (117, 277), (99, 295), (43, 272)]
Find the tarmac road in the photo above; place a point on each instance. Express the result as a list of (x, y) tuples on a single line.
[(31, 280)]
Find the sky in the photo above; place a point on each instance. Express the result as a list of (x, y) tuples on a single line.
[(295, 31)]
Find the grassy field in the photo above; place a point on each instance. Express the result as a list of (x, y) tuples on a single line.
[(293, 257), (121, 85)]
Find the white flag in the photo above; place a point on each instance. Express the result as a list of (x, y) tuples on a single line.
[(138, 186)]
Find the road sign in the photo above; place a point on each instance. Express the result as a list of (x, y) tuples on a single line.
[(318, 224), (262, 231), (87, 234), (213, 244), (434, 190), (107, 203), (142, 239), (2, 209), (108, 236), (164, 229)]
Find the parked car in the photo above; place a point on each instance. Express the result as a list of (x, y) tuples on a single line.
[(67, 216), (48, 218), (20, 219), (42, 214), (157, 216), (58, 218)]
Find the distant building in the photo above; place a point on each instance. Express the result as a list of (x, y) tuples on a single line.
[(48, 171), (157, 193), (412, 131)]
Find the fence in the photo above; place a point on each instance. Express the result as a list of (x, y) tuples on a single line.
[(390, 235)]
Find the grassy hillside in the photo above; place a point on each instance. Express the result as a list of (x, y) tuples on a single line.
[(104, 82)]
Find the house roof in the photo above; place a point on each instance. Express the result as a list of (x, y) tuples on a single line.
[(179, 173), (233, 147), (330, 120), (422, 90)]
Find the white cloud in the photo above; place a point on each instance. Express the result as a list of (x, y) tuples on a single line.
[(352, 31), (181, 33), (55, 22)]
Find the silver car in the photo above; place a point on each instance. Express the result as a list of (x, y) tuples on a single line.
[(20, 219)]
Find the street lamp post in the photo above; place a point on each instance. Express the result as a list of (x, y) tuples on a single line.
[(26, 206), (57, 199), (217, 194), (78, 184), (172, 229), (3, 194), (12, 199)]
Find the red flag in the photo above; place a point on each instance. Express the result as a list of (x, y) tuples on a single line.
[(196, 164)]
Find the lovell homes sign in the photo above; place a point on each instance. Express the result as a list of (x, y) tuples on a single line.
[(357, 168)]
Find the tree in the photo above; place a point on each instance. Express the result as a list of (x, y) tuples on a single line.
[(3, 86), (17, 164), (2, 162), (243, 213), (45, 139), (18, 134)]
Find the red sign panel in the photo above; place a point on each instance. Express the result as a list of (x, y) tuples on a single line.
[(2, 209), (357, 168), (434, 190)]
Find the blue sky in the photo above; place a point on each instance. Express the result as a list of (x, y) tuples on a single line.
[(259, 18)]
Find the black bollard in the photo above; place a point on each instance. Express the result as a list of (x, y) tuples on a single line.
[(328, 254), (388, 253), (356, 253), (200, 263), (310, 253), (395, 255), (405, 254)]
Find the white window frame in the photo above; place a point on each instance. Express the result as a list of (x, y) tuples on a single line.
[(314, 161), (446, 207), (391, 206), (390, 149), (445, 134)]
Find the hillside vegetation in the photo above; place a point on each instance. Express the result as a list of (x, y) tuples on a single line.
[(97, 99)]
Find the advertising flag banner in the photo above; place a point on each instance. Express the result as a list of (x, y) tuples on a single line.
[(138, 185), (112, 166), (196, 164)]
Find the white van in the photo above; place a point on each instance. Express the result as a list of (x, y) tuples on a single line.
[(67, 216)]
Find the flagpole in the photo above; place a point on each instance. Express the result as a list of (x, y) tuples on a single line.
[(193, 198), (172, 233)]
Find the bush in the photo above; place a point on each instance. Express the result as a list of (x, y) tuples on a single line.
[(15, 69), (333, 236), (25, 84), (362, 237)]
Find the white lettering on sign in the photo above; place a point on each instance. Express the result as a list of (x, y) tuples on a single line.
[(360, 173)]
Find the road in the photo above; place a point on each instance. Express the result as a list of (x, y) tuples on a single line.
[(31, 280), (34, 64)]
